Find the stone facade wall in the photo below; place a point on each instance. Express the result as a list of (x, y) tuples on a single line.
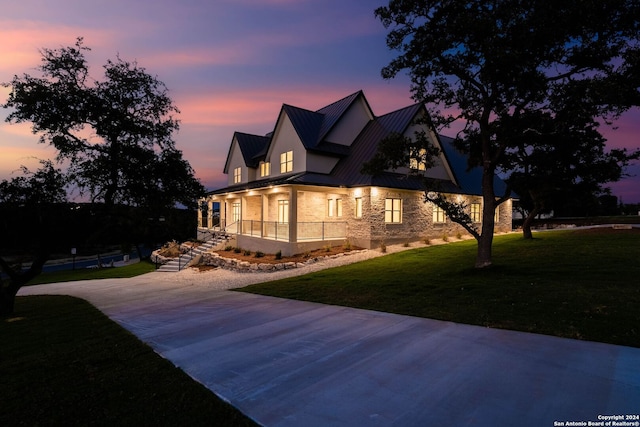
[(370, 230), (252, 208)]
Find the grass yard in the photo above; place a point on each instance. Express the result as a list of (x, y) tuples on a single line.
[(94, 273), (582, 284), (64, 363)]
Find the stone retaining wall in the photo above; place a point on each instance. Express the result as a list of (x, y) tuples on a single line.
[(214, 259)]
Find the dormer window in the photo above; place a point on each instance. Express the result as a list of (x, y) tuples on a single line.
[(237, 175), (416, 161), (286, 162), (265, 169)]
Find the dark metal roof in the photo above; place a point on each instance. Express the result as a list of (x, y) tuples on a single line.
[(334, 111), (366, 144), (312, 127), (469, 179), (306, 123), (251, 146)]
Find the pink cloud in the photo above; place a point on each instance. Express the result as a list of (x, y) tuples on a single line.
[(23, 40)]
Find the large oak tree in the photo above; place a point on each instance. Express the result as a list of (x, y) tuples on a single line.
[(488, 63), (34, 194), (116, 134)]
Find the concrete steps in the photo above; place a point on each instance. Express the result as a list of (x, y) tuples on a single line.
[(185, 259)]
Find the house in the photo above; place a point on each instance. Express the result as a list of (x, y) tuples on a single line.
[(300, 188)]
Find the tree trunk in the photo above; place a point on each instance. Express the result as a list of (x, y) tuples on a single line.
[(526, 224), (18, 279), (7, 299), (485, 241)]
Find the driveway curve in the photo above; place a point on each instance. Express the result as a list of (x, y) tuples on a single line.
[(293, 363)]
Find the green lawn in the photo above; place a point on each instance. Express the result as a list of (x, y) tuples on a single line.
[(94, 273), (62, 362), (580, 284)]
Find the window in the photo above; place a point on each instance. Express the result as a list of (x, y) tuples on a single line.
[(416, 161), (283, 211), (358, 207), (334, 207), (496, 217), (475, 212), (393, 210), (438, 214), (236, 212), (331, 207), (286, 162), (237, 175), (265, 169)]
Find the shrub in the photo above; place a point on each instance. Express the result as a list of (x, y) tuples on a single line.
[(259, 254), (347, 246), (246, 252), (383, 247), (427, 241), (327, 248), (459, 235), (406, 244), (279, 255), (228, 248), (445, 237), (237, 250)]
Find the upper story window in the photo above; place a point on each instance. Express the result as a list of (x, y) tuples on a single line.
[(286, 162), (416, 160), (237, 175), (393, 211), (475, 212), (265, 169)]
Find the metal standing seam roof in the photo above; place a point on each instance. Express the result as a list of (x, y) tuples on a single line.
[(250, 147), (312, 127)]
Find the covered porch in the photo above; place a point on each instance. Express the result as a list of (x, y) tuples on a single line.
[(291, 219)]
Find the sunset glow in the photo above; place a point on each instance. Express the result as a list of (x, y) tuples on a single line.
[(229, 66)]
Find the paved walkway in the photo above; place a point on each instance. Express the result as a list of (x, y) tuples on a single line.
[(291, 363)]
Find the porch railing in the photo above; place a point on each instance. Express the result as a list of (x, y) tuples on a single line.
[(307, 231)]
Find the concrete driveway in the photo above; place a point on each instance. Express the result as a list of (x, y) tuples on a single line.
[(291, 363)]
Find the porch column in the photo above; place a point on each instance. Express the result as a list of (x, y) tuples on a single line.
[(293, 215), (210, 214), (200, 213), (223, 214), (264, 205)]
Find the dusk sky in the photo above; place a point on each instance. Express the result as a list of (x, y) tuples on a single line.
[(229, 65)]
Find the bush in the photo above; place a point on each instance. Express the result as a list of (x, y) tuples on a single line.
[(383, 247), (279, 255), (259, 254), (347, 246), (237, 250), (246, 252), (228, 248)]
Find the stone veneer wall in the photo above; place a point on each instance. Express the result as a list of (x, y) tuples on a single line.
[(417, 218)]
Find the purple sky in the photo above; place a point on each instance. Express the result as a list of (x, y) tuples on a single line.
[(229, 65)]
